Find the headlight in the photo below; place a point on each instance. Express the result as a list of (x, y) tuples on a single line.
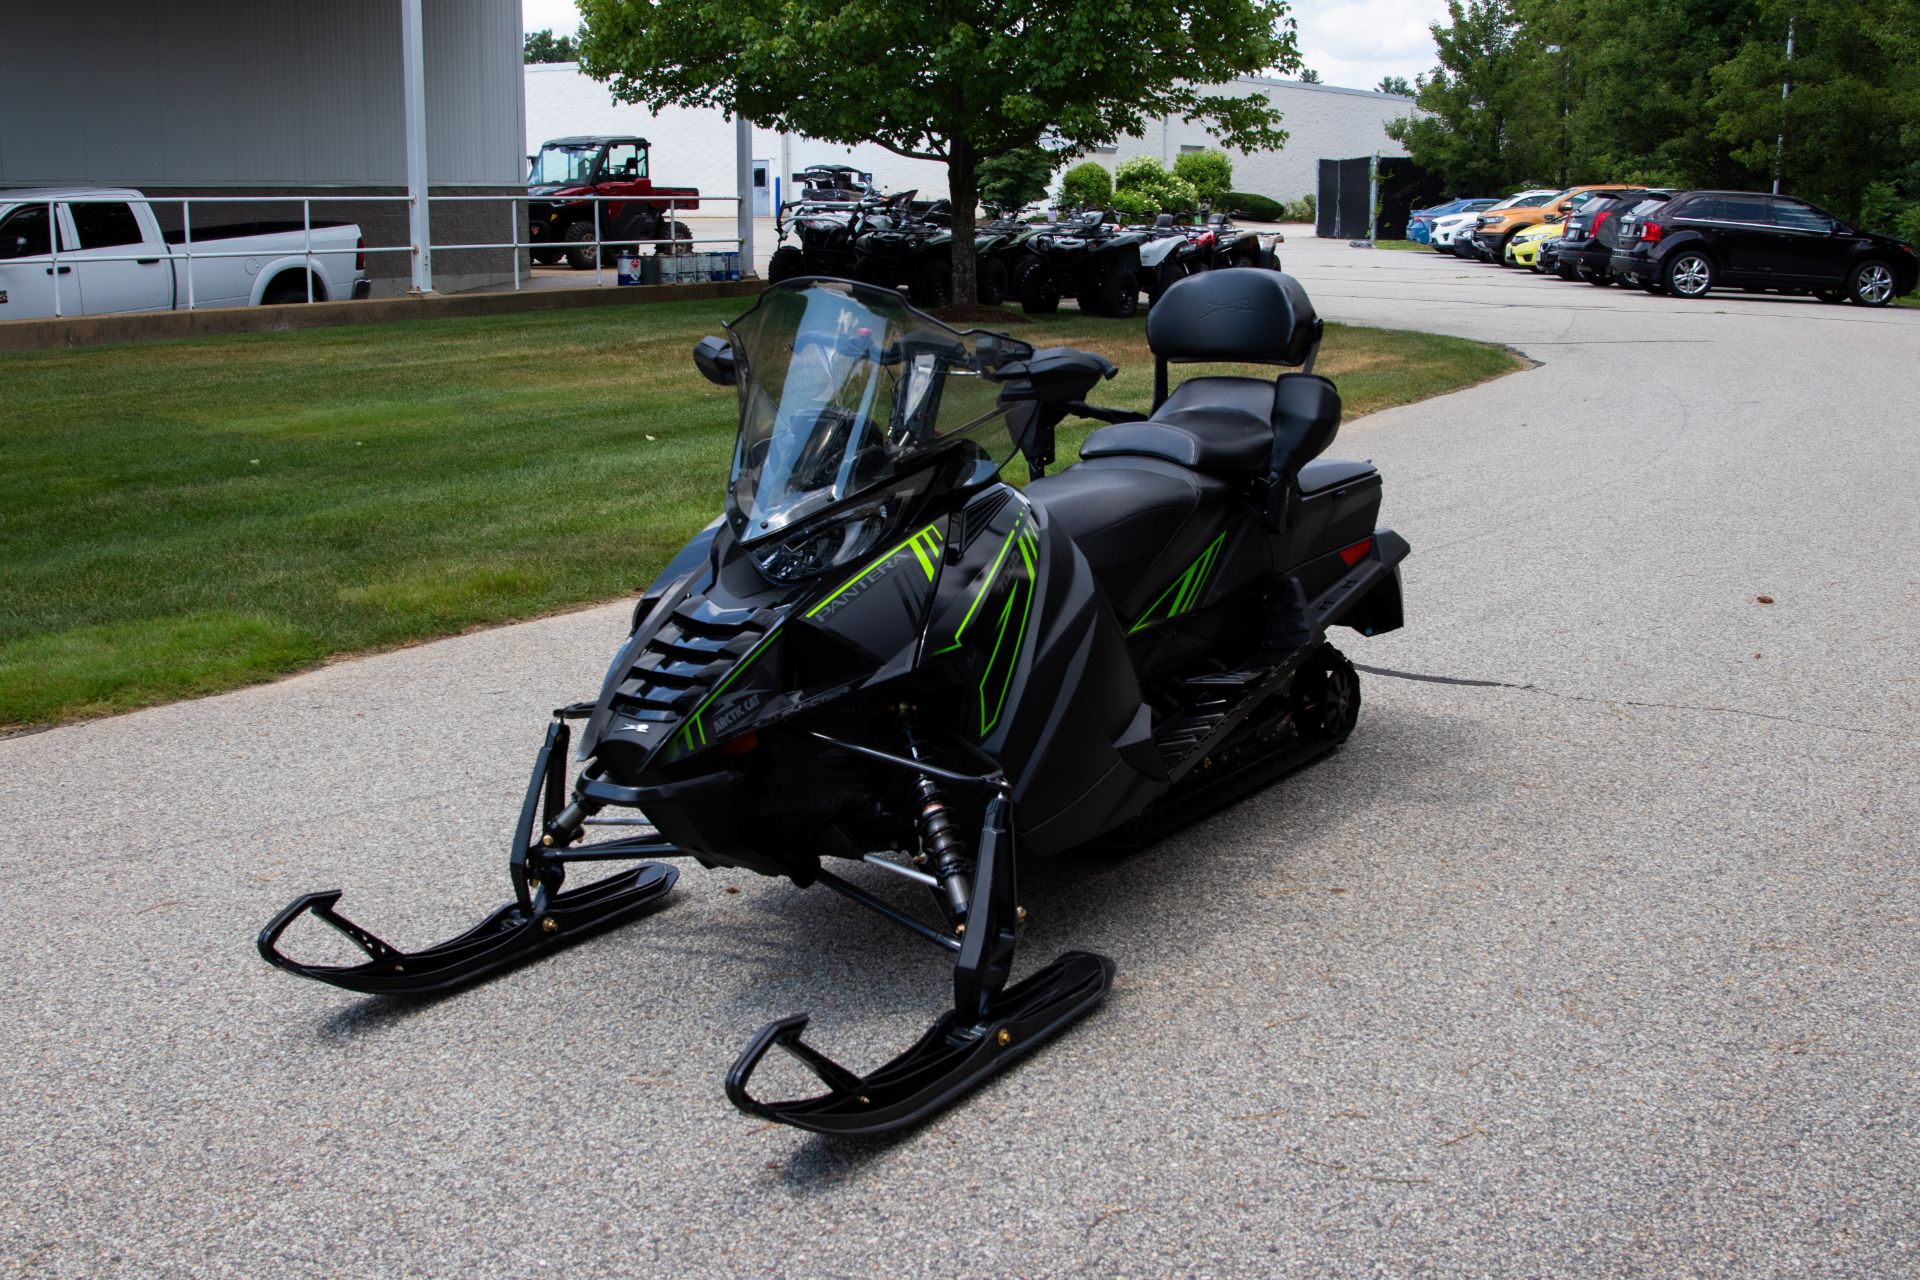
[(833, 541)]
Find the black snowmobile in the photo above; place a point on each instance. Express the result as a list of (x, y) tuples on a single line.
[(882, 652), (1088, 260)]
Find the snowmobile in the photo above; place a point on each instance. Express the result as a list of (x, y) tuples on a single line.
[(1088, 260), (882, 652)]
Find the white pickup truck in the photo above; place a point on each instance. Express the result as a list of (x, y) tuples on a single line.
[(111, 256)]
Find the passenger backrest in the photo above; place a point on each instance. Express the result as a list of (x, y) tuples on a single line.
[(1240, 314)]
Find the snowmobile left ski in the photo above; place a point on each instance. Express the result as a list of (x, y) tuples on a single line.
[(884, 653)]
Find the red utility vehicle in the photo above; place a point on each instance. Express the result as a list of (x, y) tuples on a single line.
[(562, 219)]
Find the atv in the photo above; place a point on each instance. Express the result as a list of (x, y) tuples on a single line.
[(1221, 243), (882, 653), (1087, 260), (1169, 254)]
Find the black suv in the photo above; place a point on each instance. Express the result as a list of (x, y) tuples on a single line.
[(1590, 236), (1701, 240)]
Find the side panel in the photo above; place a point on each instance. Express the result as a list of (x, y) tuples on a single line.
[(1044, 683)]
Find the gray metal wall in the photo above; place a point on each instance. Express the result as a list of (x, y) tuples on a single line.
[(254, 93)]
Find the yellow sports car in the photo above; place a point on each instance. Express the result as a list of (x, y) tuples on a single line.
[(1523, 250)]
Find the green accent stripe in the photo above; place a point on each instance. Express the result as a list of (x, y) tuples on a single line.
[(1187, 589), (1013, 655), (985, 587), (753, 655), (910, 542)]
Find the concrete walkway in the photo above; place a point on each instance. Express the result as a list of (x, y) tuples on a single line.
[(1593, 953)]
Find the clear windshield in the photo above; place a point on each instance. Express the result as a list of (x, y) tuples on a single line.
[(562, 166), (844, 387)]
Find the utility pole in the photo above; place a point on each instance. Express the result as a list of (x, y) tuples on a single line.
[(1786, 84)]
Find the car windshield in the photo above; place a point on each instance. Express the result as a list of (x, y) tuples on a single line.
[(562, 165), (1524, 200), (843, 388)]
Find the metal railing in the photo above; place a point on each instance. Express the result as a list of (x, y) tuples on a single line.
[(181, 254)]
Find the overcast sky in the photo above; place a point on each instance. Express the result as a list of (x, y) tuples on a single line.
[(1349, 42)]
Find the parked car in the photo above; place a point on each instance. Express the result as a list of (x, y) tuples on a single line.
[(113, 257), (562, 222), (1588, 236), (1523, 249), (1495, 227), (1420, 221), (1703, 240), (1452, 233)]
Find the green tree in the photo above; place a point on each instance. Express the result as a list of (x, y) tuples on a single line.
[(1309, 76), (1479, 99), (1011, 182), (1087, 185), (1394, 84), (960, 82), (1853, 115), (1210, 173), (544, 46)]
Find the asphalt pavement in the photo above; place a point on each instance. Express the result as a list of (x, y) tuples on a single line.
[(1593, 953)]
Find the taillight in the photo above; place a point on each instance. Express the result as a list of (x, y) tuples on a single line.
[(360, 254), (1599, 220), (1651, 231)]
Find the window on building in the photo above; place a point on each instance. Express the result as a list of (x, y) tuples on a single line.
[(1187, 150), (1106, 151)]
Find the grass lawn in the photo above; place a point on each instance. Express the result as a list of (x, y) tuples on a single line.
[(178, 518), (1414, 245)]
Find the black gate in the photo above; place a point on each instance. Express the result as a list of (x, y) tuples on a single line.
[(1344, 208), (1404, 187)]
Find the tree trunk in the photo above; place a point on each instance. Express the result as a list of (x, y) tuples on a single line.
[(963, 192)]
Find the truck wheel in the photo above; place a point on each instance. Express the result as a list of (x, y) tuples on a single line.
[(933, 285), (1039, 293), (990, 281), (579, 256), (290, 288), (787, 262)]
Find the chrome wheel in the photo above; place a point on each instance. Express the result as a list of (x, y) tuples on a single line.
[(1873, 284), (1690, 276)]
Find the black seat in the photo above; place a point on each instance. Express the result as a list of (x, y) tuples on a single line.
[(1138, 520), (1228, 427), (1234, 427)]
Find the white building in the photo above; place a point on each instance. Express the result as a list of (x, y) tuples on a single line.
[(695, 147)]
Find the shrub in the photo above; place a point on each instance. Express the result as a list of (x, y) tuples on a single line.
[(1142, 173), (1244, 204), (1086, 186), (1011, 182), (1209, 172), (1138, 204), (1176, 195), (1301, 210)]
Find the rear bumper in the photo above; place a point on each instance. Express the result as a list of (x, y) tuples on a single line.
[(362, 289)]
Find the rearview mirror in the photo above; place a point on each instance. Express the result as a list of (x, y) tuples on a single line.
[(714, 358)]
